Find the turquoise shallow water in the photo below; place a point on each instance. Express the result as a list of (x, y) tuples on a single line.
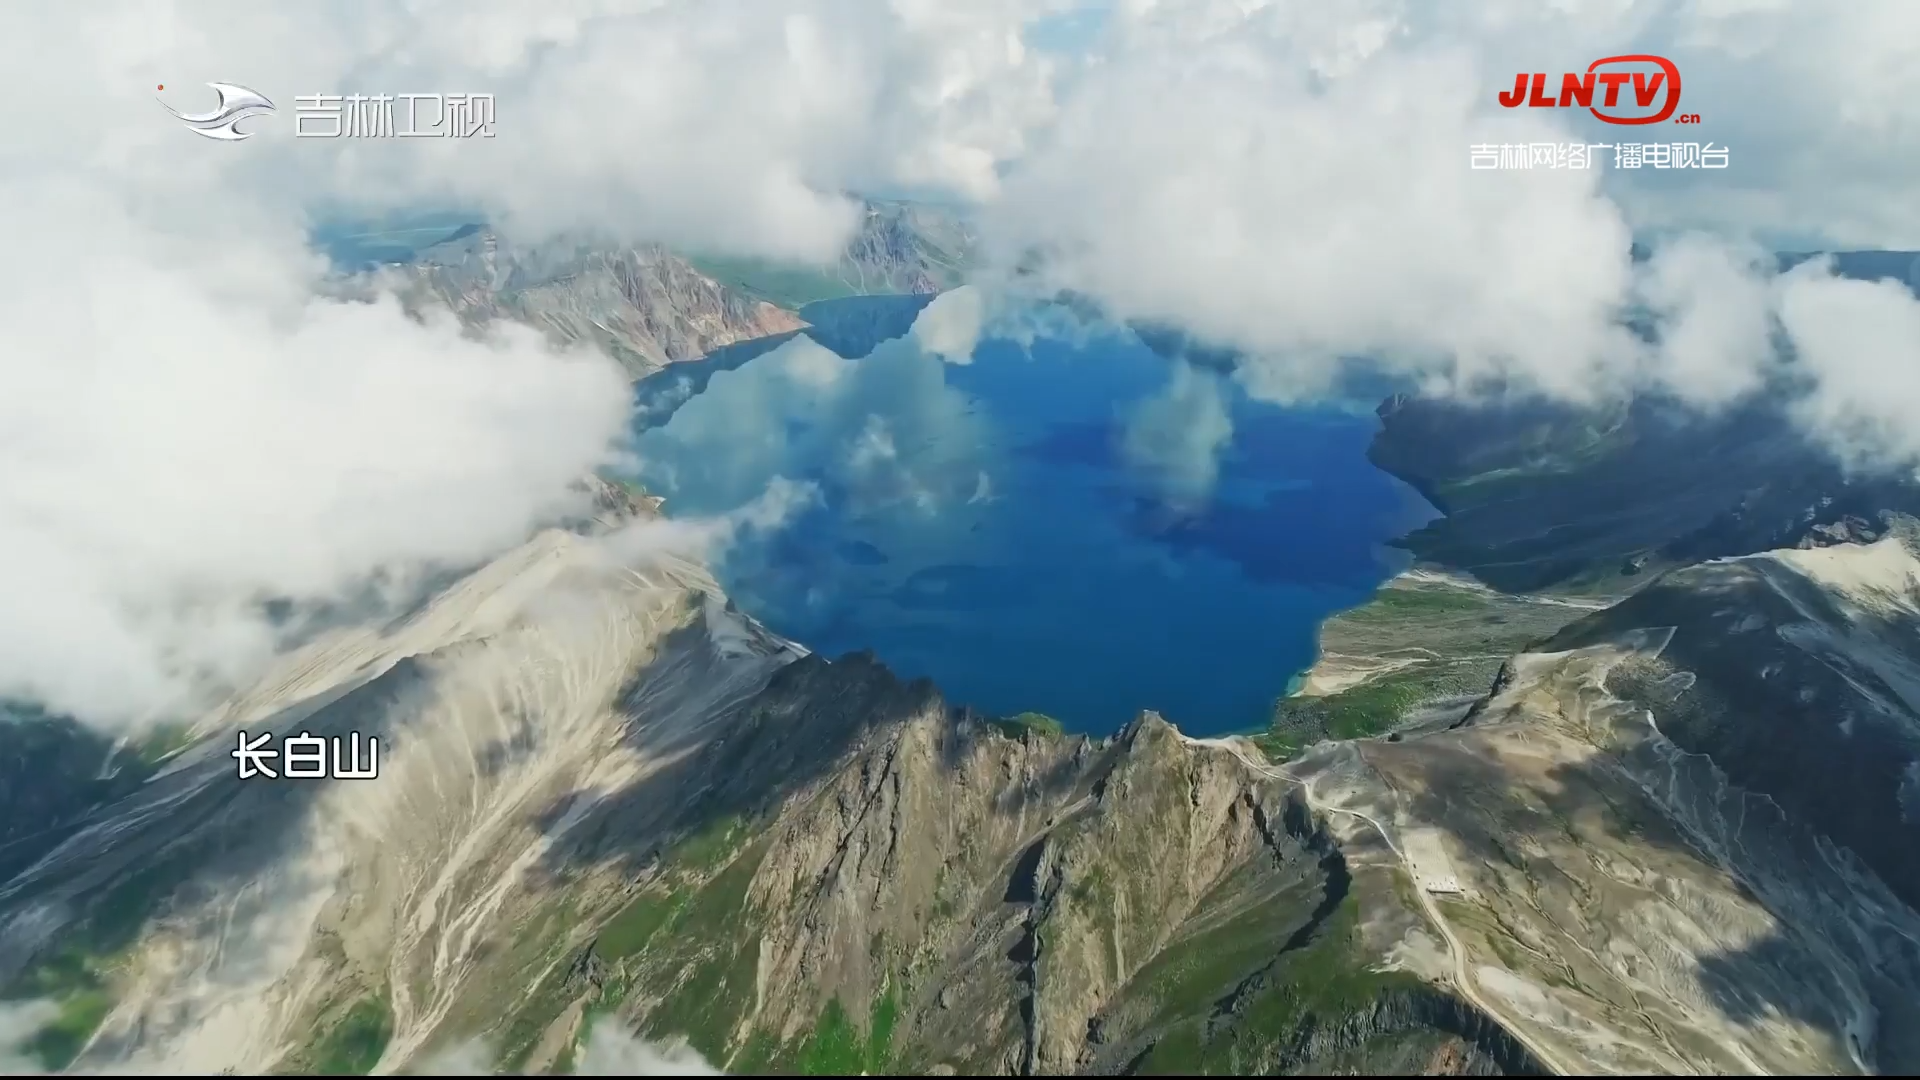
[(982, 525)]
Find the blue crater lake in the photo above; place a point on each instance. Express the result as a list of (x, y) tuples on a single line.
[(997, 526)]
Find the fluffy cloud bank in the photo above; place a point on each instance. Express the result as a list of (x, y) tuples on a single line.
[(1292, 181), (609, 1050), (190, 432), (187, 431)]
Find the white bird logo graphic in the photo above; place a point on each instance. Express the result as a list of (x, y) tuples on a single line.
[(237, 103)]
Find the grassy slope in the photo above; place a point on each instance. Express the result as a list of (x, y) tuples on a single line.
[(1428, 640), (790, 287), (1228, 1010)]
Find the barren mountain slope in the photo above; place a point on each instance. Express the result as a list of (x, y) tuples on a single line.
[(1629, 903), (645, 306), (601, 791), (1675, 837)]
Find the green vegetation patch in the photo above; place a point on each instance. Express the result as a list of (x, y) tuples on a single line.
[(1039, 725), (78, 975), (629, 931), (835, 1045), (666, 905), (1233, 1026), (1448, 640), (710, 847), (353, 1045), (531, 1020), (1369, 709), (663, 907), (1278, 746), (697, 946), (1402, 602), (532, 954), (782, 285), (157, 745), (81, 1013), (685, 937), (1190, 976)]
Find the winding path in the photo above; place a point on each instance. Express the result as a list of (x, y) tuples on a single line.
[(1462, 973)]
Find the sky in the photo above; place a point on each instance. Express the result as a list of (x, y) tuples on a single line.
[(187, 428)]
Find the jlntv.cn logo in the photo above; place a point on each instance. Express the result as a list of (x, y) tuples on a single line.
[(1655, 79), (1603, 90)]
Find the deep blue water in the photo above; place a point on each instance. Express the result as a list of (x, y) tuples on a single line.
[(981, 525)]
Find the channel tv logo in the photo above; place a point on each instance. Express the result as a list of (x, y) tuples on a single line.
[(237, 103), (1609, 75)]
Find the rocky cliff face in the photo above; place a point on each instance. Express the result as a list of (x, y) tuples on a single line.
[(649, 307), (646, 306), (907, 248), (877, 883)]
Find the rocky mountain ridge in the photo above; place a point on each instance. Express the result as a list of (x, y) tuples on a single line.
[(612, 804), (1662, 828), (648, 306), (601, 784), (645, 306)]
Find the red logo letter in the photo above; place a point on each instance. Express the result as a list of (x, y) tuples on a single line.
[(1643, 89), (1613, 81), (1574, 89), (1540, 100), (1512, 99)]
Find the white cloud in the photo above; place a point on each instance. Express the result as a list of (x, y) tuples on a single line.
[(467, 1058), (1860, 341), (186, 431), (705, 537), (1223, 186), (1818, 105), (1291, 179), (880, 430), (724, 124), (949, 327), (614, 1052), (20, 1021), (1714, 309), (609, 1050), (1175, 438)]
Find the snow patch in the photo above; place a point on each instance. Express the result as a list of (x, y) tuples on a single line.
[(1882, 577), (735, 636)]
